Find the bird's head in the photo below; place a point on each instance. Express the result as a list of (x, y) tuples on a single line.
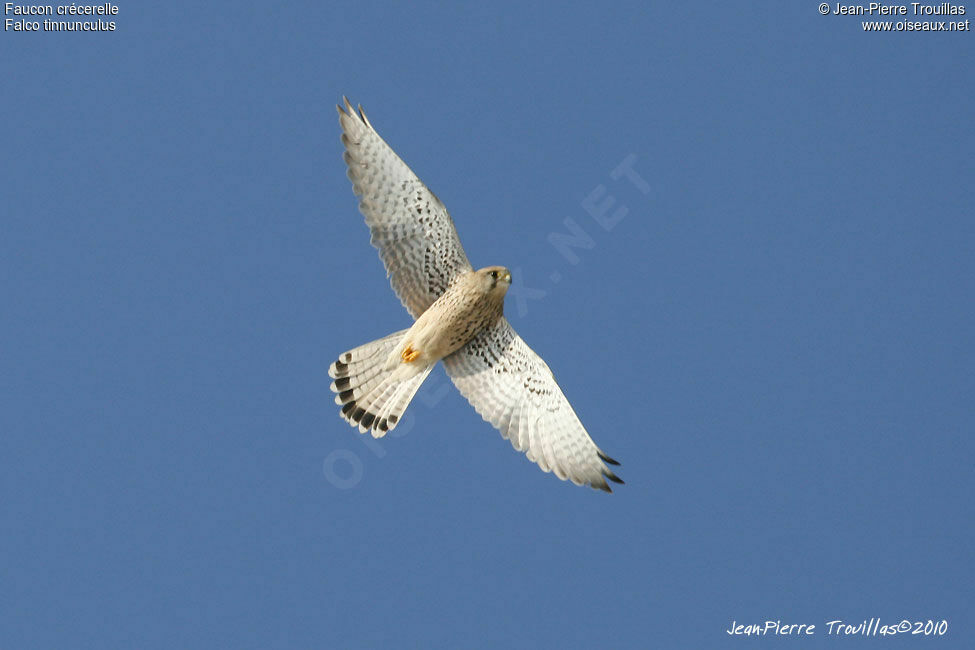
[(495, 279)]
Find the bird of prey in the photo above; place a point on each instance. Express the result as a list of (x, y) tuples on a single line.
[(459, 320)]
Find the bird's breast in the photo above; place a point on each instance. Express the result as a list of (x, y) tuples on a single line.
[(450, 322)]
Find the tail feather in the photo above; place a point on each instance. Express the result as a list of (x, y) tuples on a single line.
[(372, 397), (397, 403), (365, 381), (365, 356)]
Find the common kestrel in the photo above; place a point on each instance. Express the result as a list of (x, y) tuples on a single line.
[(459, 320)]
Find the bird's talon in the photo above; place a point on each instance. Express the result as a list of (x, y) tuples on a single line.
[(409, 354)]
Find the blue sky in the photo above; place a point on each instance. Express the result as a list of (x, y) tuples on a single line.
[(776, 340)]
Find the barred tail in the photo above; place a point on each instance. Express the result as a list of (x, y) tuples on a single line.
[(371, 396)]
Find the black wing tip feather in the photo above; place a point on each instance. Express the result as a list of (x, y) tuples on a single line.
[(607, 458), (608, 473), (613, 477)]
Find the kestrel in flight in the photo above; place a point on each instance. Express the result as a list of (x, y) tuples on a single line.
[(459, 320)]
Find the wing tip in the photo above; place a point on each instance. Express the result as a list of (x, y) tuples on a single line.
[(362, 115), (613, 477), (606, 458), (607, 473), (346, 111)]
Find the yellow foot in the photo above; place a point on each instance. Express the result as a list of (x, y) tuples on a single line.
[(409, 354)]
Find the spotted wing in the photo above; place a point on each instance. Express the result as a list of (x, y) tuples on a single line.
[(513, 389), (415, 236)]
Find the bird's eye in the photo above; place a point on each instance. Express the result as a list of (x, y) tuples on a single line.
[(494, 274)]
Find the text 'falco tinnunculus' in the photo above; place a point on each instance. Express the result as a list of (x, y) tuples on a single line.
[(459, 320)]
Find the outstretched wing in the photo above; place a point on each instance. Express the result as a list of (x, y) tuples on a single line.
[(415, 236), (513, 389)]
